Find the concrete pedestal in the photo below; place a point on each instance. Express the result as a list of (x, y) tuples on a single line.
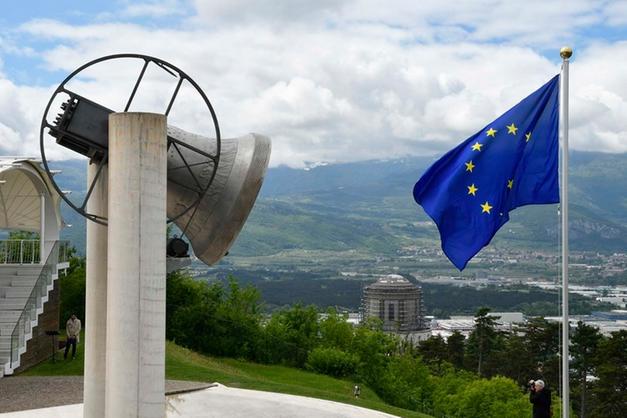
[(135, 363), (96, 298)]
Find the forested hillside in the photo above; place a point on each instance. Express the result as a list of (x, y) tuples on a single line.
[(484, 375)]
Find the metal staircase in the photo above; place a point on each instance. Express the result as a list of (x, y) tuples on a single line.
[(25, 283)]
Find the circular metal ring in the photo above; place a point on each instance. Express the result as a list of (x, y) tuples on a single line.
[(164, 65)]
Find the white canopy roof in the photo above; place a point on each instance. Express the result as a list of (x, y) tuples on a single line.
[(22, 184)]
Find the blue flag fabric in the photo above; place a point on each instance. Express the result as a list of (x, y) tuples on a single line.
[(512, 162)]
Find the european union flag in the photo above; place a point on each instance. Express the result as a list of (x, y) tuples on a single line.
[(512, 162)]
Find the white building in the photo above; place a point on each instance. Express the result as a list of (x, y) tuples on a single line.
[(28, 267), (465, 324)]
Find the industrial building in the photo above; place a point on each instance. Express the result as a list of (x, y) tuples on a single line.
[(399, 305)]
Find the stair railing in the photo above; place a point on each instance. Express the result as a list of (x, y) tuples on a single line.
[(33, 303), (64, 251)]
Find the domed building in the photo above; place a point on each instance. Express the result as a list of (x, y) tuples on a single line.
[(398, 304)]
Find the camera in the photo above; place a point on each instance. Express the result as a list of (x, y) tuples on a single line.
[(531, 385)]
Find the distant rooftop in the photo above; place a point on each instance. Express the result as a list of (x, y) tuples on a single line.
[(391, 281), (393, 278)]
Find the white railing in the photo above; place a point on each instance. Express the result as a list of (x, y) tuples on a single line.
[(27, 251), (23, 251)]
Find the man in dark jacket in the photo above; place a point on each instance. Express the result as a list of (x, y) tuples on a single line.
[(540, 397)]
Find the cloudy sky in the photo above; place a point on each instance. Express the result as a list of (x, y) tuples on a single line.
[(329, 80)]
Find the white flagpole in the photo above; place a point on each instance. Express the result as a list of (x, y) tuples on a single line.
[(565, 53)]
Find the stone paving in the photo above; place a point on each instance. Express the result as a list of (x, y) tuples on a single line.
[(18, 393)]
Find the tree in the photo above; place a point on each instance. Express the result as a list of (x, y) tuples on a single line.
[(212, 319), (240, 314), (483, 340), (455, 345), (335, 331), (182, 291), (447, 386), (20, 235), (518, 363), (542, 339), (610, 391), (460, 394), (273, 344), (584, 346), (294, 333), (405, 383), (433, 352), (374, 348), (494, 398), (530, 352), (191, 307)]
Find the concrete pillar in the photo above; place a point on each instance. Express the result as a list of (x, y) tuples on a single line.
[(135, 384), (96, 299)]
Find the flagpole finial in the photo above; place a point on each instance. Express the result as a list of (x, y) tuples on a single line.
[(566, 52)]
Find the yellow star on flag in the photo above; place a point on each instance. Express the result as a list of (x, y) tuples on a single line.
[(486, 207), (477, 146), (472, 189), (527, 136), (469, 166), (510, 184), (491, 132), (511, 129)]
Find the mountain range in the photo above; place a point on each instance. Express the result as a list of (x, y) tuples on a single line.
[(369, 206)]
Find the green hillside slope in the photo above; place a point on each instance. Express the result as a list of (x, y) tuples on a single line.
[(183, 364)]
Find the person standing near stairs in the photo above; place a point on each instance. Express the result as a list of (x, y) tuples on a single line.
[(72, 330)]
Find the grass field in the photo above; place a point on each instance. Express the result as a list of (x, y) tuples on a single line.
[(183, 364)]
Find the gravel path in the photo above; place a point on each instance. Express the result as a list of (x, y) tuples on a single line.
[(18, 393)]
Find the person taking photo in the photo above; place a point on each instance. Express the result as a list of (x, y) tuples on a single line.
[(540, 398)]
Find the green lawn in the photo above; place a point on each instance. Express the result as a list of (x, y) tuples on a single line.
[(183, 364), (61, 367)]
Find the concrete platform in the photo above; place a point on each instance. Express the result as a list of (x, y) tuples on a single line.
[(21, 393), (220, 401)]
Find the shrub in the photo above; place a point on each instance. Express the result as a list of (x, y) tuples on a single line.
[(481, 398), (332, 362)]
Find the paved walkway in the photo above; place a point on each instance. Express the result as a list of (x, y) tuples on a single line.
[(220, 401), (19, 393)]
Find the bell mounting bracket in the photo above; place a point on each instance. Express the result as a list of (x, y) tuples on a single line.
[(82, 126)]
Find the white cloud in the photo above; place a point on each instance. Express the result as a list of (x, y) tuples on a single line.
[(153, 8), (21, 108), (354, 80), (269, 11), (616, 13), (11, 141), (599, 98), (533, 22)]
